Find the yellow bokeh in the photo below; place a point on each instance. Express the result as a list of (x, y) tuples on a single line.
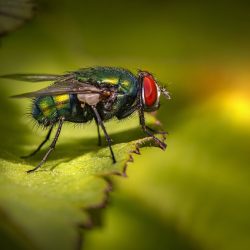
[(236, 106)]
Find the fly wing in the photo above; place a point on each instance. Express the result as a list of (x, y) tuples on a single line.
[(33, 77), (62, 87)]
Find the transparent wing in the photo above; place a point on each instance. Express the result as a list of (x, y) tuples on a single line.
[(62, 87), (33, 77), (13, 13)]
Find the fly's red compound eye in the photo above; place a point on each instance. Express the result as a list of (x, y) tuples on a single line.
[(150, 91)]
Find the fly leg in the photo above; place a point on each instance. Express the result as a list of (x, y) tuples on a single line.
[(98, 132), (148, 130), (108, 139), (145, 128), (40, 146), (51, 147)]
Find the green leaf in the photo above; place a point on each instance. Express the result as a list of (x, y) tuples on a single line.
[(48, 208), (198, 191)]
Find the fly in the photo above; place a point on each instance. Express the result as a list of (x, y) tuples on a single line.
[(96, 93)]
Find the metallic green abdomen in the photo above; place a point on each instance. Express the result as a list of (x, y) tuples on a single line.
[(48, 109)]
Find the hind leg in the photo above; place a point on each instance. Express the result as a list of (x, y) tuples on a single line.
[(40, 146), (51, 147)]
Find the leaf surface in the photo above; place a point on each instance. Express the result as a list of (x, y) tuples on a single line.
[(48, 208)]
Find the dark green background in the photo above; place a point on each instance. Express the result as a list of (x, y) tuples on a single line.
[(196, 194)]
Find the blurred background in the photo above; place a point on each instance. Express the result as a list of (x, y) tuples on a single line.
[(196, 194)]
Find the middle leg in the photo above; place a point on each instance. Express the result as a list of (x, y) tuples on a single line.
[(108, 139), (98, 132)]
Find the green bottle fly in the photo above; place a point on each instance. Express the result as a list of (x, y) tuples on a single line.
[(96, 93)]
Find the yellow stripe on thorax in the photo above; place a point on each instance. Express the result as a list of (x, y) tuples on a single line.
[(114, 80)]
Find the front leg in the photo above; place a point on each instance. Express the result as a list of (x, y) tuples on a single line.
[(148, 130)]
